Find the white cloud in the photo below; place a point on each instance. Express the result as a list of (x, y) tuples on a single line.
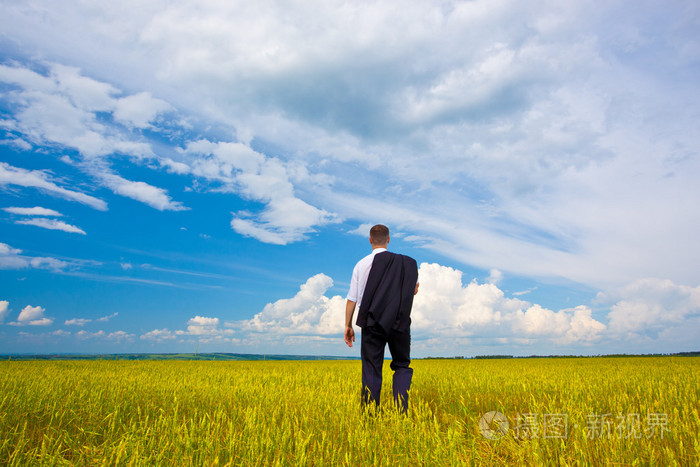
[(554, 145), (583, 327), (445, 313), (104, 319), (120, 336), (10, 175), (153, 196), (240, 169), (83, 92), (31, 313), (200, 325), (18, 143), (48, 263), (445, 307), (4, 310), (32, 316), (651, 306), (62, 109), (10, 258), (495, 276), (77, 322), (159, 335), (35, 211), (51, 224), (84, 335), (449, 316), (139, 110), (116, 336), (202, 328), (309, 312)]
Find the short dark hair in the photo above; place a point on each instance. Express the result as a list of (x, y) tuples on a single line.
[(379, 234)]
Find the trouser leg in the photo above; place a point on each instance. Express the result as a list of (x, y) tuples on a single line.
[(400, 348), (372, 354)]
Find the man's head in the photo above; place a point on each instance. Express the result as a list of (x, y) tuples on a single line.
[(379, 236)]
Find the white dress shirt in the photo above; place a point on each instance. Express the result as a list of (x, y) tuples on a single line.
[(359, 277)]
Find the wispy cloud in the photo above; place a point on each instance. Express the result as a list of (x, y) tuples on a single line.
[(104, 319), (35, 211), (116, 336), (51, 224), (77, 322), (62, 109), (12, 258), (41, 180)]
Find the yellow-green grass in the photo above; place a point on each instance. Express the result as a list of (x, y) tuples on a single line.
[(308, 413)]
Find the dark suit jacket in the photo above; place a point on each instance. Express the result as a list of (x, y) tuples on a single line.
[(388, 295)]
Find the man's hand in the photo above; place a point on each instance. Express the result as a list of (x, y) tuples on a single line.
[(349, 335), (416, 291), (349, 331)]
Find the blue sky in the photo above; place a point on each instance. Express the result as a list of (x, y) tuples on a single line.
[(203, 175)]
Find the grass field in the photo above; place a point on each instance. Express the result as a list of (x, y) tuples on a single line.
[(583, 411)]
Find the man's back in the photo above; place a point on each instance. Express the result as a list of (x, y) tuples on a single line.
[(385, 300), (388, 294)]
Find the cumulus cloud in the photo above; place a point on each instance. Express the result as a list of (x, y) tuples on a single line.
[(32, 316), (651, 306), (202, 328), (309, 312), (120, 336), (84, 335), (445, 313), (200, 325), (445, 306), (449, 315), (159, 335), (4, 310), (52, 224)]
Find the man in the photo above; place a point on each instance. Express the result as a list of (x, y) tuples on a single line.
[(383, 284)]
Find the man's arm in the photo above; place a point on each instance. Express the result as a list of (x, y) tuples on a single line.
[(349, 331)]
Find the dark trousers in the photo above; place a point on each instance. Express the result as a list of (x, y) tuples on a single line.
[(374, 340)]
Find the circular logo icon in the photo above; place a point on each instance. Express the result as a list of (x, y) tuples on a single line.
[(493, 425)]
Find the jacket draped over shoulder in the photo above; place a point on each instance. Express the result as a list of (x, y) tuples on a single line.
[(388, 295)]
